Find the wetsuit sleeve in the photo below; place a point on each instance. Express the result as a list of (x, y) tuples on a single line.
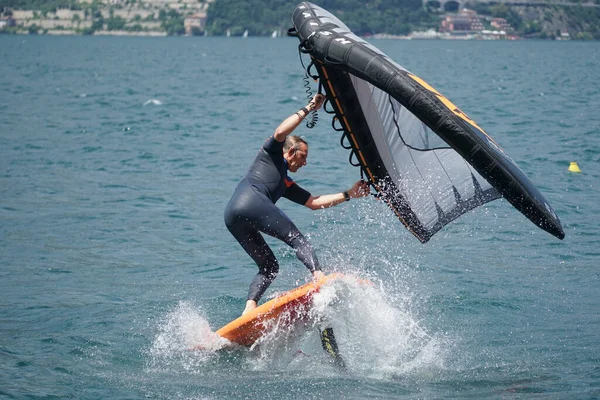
[(296, 194), (273, 146)]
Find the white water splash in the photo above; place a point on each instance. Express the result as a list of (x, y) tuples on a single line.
[(375, 338), (154, 102), (184, 339)]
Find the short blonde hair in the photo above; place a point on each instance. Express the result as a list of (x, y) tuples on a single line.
[(292, 141)]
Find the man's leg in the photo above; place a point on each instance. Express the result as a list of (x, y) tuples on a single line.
[(257, 248), (282, 228)]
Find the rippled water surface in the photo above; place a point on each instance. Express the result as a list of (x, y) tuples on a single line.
[(118, 155)]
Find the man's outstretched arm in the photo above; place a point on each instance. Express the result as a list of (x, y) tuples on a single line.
[(292, 122), (359, 189)]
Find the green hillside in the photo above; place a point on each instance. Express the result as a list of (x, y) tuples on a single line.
[(261, 17), (400, 17), (364, 17)]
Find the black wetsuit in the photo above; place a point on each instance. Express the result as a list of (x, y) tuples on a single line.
[(252, 209)]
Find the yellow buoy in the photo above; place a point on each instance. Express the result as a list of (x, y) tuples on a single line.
[(574, 167)]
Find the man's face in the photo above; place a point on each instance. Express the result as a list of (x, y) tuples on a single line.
[(296, 157)]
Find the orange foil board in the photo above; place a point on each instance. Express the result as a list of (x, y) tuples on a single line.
[(249, 327)]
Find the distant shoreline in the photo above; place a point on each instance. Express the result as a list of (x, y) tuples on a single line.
[(369, 37), (476, 20), (377, 36)]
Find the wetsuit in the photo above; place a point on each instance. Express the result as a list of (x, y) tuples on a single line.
[(252, 209)]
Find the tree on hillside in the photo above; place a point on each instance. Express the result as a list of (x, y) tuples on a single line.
[(115, 24), (172, 22)]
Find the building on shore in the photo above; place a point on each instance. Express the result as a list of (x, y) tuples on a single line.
[(195, 24), (112, 17), (466, 21), (6, 22), (468, 24), (501, 24)]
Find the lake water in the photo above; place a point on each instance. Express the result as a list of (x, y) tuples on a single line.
[(118, 155)]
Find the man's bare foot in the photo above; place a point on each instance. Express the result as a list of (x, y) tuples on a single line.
[(250, 305)]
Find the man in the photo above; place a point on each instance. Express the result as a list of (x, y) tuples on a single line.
[(252, 209)]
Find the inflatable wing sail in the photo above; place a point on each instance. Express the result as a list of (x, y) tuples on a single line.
[(427, 159)]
